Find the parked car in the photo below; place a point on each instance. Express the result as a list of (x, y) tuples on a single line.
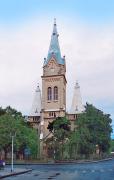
[(2, 164)]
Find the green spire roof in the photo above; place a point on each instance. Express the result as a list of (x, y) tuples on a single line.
[(54, 49)]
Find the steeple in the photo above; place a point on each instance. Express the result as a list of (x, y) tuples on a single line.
[(36, 106), (54, 49), (77, 106)]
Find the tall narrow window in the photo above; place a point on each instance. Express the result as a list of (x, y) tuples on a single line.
[(49, 93), (55, 93)]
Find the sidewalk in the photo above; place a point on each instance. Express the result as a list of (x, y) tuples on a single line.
[(6, 172)]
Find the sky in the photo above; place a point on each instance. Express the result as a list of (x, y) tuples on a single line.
[(86, 38)]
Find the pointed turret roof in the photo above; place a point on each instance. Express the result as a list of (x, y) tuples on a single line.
[(54, 49), (36, 106), (77, 106)]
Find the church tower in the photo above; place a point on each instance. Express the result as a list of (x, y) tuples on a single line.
[(53, 82)]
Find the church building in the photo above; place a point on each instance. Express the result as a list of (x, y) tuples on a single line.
[(50, 103)]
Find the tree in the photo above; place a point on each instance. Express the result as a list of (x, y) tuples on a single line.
[(60, 129), (112, 146), (2, 111), (93, 129), (13, 112), (12, 122)]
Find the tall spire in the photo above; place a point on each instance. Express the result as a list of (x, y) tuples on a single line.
[(36, 106), (54, 20), (77, 106), (54, 49)]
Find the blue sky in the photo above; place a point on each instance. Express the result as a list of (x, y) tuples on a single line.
[(86, 29), (94, 11)]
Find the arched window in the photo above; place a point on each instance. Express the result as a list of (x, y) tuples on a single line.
[(49, 93), (55, 93)]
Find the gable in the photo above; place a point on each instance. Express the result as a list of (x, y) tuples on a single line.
[(52, 64)]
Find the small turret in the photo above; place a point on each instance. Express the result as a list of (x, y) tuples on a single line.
[(36, 106), (77, 106)]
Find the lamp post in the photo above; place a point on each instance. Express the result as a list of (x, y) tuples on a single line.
[(12, 145), (12, 137)]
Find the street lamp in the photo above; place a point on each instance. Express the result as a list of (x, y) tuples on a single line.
[(12, 144)]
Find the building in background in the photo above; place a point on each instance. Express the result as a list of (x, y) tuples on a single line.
[(52, 103)]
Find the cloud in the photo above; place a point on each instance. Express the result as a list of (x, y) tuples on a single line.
[(91, 61), (89, 54)]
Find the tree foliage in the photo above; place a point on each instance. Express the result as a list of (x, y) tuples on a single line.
[(60, 129), (12, 124), (92, 131)]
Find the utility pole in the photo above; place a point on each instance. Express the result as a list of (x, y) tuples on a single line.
[(12, 147), (12, 137)]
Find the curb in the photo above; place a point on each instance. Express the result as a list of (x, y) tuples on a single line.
[(60, 163), (15, 173), (85, 162)]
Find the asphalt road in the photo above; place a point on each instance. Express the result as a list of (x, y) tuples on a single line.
[(91, 171)]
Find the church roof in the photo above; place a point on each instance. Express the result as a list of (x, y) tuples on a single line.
[(54, 49), (36, 106), (77, 106)]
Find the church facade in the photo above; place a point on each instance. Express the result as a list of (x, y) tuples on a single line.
[(51, 103)]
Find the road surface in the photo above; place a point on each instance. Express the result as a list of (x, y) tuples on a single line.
[(90, 171)]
